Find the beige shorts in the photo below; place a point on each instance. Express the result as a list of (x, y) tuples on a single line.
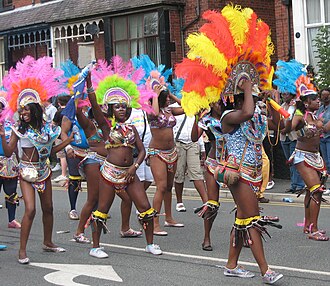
[(59, 154), (188, 162)]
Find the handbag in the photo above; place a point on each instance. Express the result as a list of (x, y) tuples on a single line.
[(228, 171), (135, 150), (29, 173)]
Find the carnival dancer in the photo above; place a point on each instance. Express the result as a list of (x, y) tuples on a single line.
[(91, 165), (31, 83), (232, 50), (306, 157), (9, 171), (161, 154), (119, 169), (210, 124), (78, 148)]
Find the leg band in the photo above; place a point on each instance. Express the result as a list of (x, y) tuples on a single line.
[(241, 228), (147, 215), (209, 210), (318, 188), (12, 199), (75, 182), (101, 218)]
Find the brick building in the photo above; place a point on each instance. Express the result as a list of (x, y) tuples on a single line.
[(131, 27)]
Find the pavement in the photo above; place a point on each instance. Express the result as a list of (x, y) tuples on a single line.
[(276, 194)]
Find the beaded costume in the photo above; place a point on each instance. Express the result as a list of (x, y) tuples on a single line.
[(230, 46), (34, 81)]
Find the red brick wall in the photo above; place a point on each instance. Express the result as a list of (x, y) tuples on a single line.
[(37, 51), (73, 50), (282, 31), (21, 3), (99, 47)]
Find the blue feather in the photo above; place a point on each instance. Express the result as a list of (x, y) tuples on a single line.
[(287, 73), (176, 87)]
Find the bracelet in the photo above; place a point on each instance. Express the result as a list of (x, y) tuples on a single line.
[(90, 89), (68, 147), (137, 165)]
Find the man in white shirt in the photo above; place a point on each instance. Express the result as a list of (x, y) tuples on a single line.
[(139, 119), (50, 111), (191, 156)]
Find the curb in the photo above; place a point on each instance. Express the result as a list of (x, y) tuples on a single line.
[(224, 193)]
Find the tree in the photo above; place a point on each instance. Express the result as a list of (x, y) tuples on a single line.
[(322, 44)]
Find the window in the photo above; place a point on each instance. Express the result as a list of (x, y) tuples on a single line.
[(317, 15), (7, 3), (2, 59), (137, 34), (86, 53)]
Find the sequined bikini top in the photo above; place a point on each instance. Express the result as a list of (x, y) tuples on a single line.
[(308, 130), (122, 135), (162, 121), (97, 136)]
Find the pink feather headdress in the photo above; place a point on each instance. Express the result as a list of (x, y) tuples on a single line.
[(32, 81), (105, 76)]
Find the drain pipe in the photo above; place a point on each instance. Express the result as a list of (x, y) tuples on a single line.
[(288, 3), (183, 29)]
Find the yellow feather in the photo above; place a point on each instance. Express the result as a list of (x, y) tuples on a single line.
[(192, 103), (238, 24), (269, 86), (203, 48)]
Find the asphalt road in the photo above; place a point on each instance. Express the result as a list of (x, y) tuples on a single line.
[(302, 261)]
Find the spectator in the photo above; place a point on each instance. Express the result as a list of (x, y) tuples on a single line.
[(191, 155), (324, 113)]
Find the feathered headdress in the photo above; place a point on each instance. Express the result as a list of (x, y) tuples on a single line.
[(32, 81), (153, 75), (292, 78), (3, 96), (118, 82), (71, 73), (232, 44), (176, 87)]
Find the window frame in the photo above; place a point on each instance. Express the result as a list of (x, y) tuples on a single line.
[(130, 39), (3, 62), (312, 26)]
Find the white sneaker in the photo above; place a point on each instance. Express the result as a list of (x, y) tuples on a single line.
[(270, 185), (326, 192), (98, 253), (56, 168), (60, 178), (73, 215), (180, 207), (153, 249)]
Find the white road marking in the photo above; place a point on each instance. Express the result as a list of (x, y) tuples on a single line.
[(279, 267), (65, 273)]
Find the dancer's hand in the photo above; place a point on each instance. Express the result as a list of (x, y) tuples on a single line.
[(158, 89), (245, 85), (2, 130), (130, 174), (70, 153)]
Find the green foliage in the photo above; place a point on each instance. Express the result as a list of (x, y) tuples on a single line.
[(322, 44)]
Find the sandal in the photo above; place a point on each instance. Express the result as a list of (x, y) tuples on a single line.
[(308, 230), (131, 233), (207, 247), (53, 249), (317, 235), (81, 238)]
